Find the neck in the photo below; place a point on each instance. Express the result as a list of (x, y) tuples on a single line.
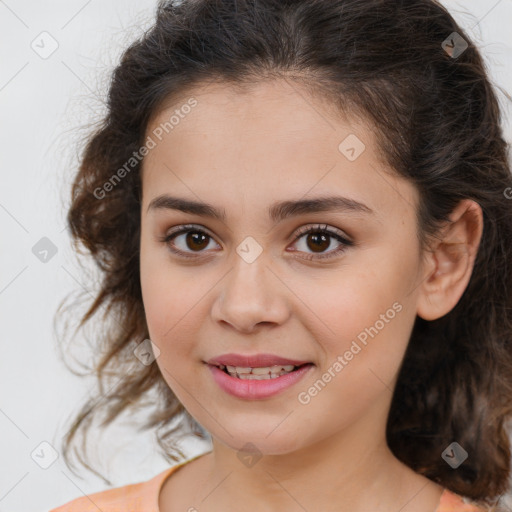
[(350, 471)]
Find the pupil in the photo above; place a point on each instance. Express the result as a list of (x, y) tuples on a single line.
[(317, 245)]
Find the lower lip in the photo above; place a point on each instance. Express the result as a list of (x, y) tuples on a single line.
[(256, 389)]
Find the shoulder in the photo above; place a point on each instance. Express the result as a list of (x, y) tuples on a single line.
[(451, 502), (137, 497)]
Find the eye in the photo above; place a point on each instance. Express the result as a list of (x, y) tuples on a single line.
[(196, 239), (320, 241)]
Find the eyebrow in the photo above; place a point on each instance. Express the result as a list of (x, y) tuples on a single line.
[(276, 212)]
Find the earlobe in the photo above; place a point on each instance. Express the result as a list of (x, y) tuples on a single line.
[(450, 263)]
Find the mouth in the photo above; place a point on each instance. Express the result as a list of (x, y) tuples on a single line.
[(260, 382), (260, 373)]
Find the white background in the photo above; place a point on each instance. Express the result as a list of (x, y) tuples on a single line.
[(44, 102)]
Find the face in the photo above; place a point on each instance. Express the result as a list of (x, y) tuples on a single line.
[(252, 283)]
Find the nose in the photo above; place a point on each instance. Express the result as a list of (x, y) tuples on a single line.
[(251, 294)]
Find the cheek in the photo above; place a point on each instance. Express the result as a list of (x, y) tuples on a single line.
[(161, 290), (171, 317), (363, 316), (174, 303), (362, 353), (170, 304)]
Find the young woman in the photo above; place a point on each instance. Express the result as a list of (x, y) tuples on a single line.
[(302, 212)]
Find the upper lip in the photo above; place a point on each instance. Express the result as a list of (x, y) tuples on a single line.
[(253, 361)]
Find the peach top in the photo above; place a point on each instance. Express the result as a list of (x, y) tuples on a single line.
[(143, 497)]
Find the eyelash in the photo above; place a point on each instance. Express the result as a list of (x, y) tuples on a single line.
[(302, 231)]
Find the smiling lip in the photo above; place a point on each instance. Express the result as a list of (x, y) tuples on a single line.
[(249, 389), (253, 361)]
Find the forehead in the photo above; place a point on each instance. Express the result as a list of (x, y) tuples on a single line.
[(261, 107), (271, 139)]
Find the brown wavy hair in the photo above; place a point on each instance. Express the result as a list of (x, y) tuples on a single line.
[(438, 123)]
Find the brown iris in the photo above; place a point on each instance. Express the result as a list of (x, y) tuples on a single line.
[(195, 237), (318, 239)]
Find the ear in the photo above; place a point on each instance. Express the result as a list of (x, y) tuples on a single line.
[(449, 263)]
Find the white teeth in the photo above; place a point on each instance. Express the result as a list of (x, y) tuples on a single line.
[(273, 369), (268, 372)]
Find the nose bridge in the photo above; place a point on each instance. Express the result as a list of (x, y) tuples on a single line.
[(250, 293), (250, 268)]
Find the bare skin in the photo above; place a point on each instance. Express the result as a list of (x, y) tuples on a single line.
[(241, 152)]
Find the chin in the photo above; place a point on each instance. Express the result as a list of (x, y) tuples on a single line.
[(259, 442)]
